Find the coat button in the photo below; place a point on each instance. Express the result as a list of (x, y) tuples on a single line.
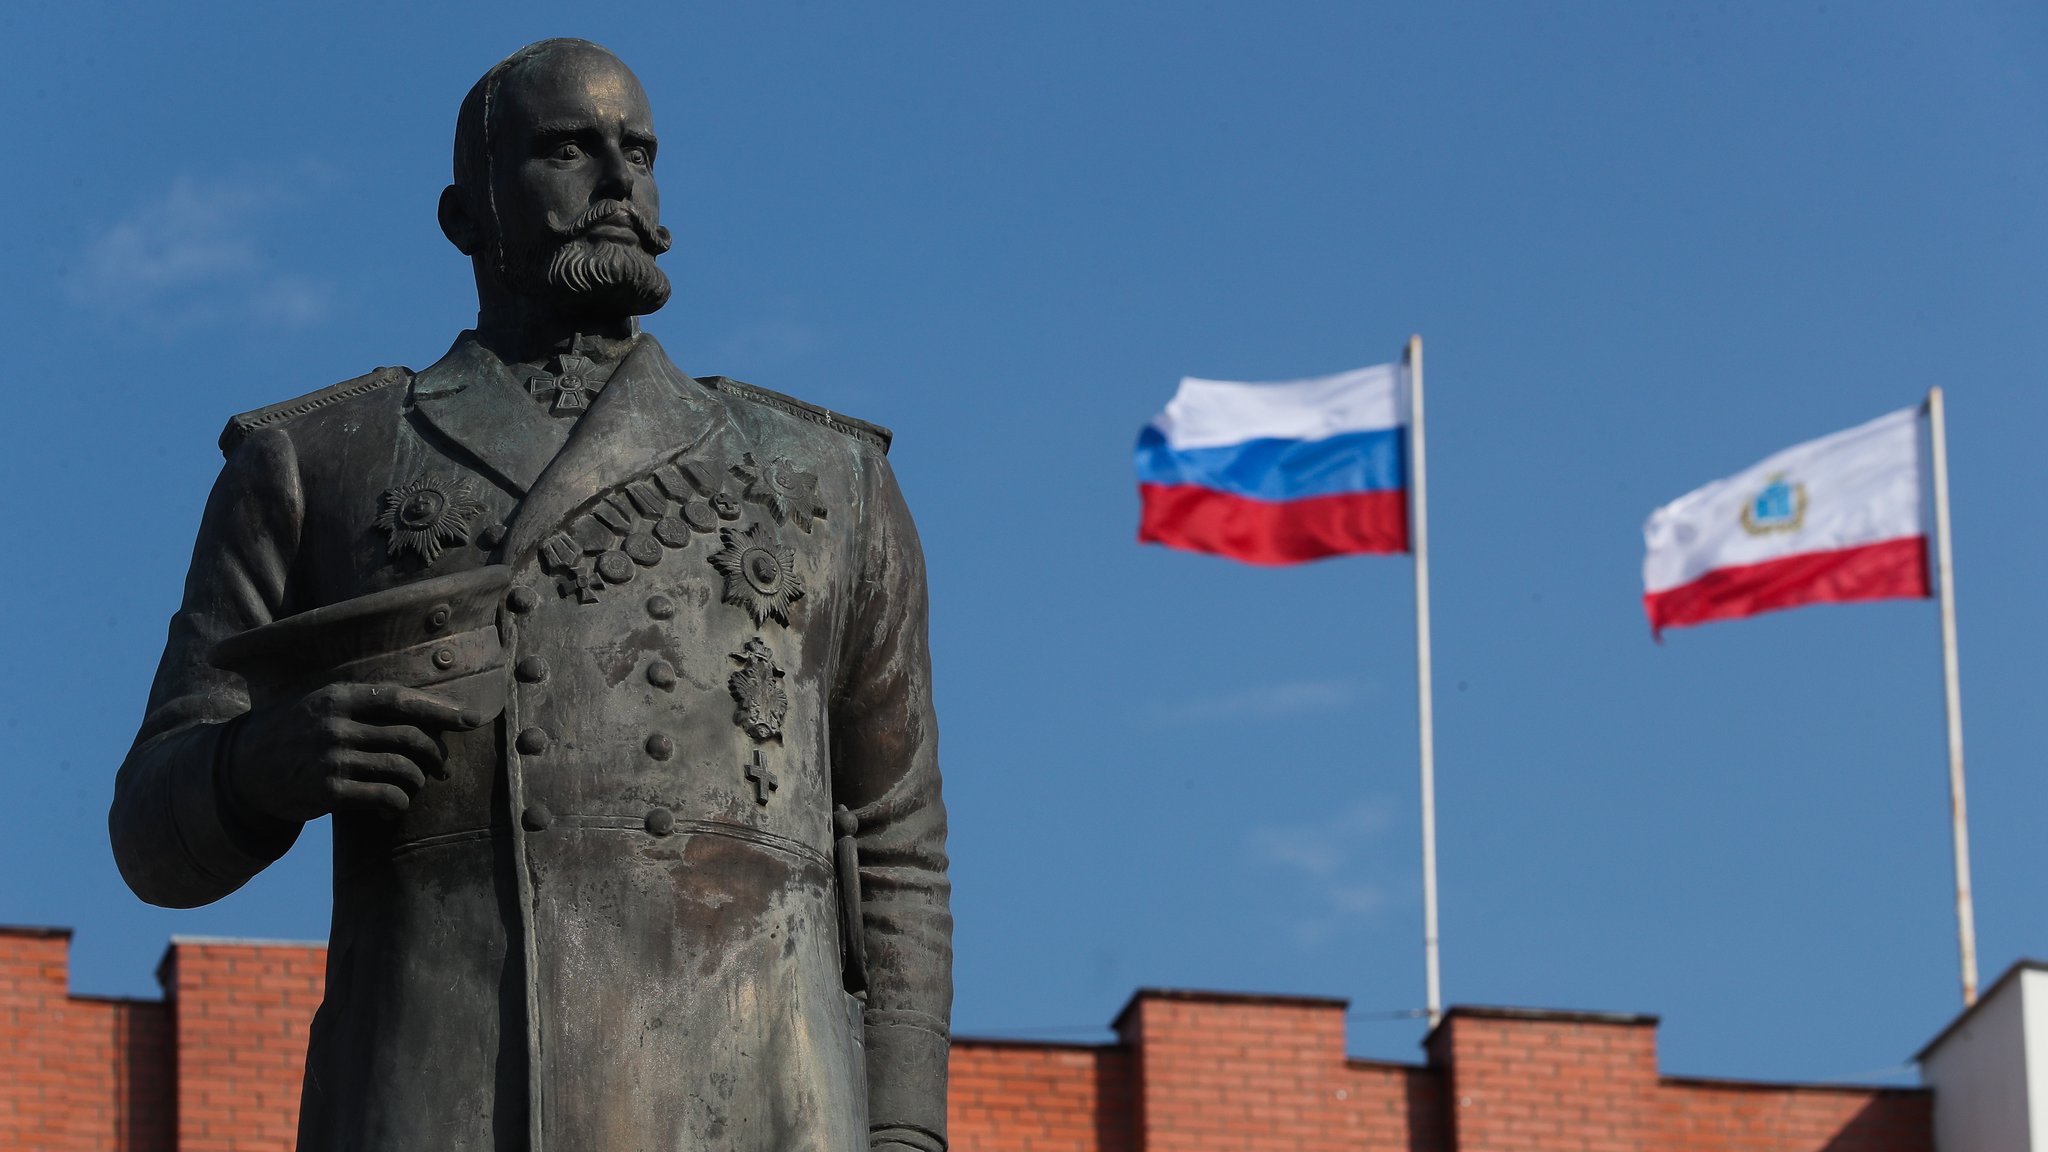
[(532, 741), (522, 599), (531, 670), (437, 617), (660, 607), (661, 821), (536, 818), (661, 674), (444, 658), (660, 746)]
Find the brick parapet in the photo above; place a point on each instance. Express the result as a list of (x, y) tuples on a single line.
[(1726, 1116), (1520, 1083), (1530, 1081), (1218, 1070), (216, 1065), (1011, 1097), (81, 1073), (241, 1014)]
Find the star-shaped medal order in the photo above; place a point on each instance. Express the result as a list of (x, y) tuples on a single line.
[(570, 382)]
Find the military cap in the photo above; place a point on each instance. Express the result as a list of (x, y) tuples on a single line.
[(440, 635)]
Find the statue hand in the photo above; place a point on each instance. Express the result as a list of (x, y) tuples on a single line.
[(343, 747)]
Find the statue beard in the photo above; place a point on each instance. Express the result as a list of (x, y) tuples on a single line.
[(599, 278)]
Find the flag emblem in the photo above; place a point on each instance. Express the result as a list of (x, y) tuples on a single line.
[(1848, 528), (1780, 507)]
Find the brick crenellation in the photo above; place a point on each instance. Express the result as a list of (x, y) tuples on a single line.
[(215, 1067)]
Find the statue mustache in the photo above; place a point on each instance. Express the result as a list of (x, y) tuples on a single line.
[(653, 237)]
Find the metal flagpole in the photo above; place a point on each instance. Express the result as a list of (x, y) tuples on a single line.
[(1966, 915), (1418, 529)]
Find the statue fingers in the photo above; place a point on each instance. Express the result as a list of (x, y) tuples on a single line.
[(397, 704), (420, 746), (353, 769), (364, 796)]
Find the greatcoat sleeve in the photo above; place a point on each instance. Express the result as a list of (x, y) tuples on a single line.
[(176, 838), (886, 769)]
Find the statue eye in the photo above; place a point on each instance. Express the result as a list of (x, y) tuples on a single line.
[(566, 152), (639, 156)]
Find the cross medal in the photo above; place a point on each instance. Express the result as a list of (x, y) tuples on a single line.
[(570, 381), (762, 777)]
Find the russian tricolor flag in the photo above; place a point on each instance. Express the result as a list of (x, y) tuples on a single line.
[(1279, 473)]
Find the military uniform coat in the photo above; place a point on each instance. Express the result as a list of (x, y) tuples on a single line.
[(616, 924)]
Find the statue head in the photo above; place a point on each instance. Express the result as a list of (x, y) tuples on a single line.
[(554, 198)]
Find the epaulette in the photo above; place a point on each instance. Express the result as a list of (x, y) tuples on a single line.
[(240, 426), (845, 425)]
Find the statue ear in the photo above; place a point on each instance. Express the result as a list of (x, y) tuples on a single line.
[(458, 222)]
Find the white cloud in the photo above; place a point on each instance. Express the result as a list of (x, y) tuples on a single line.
[(1261, 702), (1358, 899), (768, 344), (1327, 854), (193, 257)]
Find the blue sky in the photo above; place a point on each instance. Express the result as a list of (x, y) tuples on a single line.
[(1647, 245)]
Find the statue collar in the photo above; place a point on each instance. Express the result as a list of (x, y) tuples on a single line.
[(648, 412), (472, 400)]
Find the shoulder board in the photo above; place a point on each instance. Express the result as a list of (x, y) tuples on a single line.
[(845, 425), (239, 427)]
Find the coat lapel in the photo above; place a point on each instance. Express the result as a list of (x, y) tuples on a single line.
[(647, 414), (470, 399)]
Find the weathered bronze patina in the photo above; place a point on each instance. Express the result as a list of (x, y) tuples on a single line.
[(615, 683)]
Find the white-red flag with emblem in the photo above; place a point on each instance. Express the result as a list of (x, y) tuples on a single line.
[(1831, 520)]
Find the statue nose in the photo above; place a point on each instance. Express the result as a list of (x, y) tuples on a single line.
[(616, 182)]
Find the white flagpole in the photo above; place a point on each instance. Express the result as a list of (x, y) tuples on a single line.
[(1418, 528), (1966, 914)]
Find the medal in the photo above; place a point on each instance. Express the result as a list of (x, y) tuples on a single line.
[(570, 382)]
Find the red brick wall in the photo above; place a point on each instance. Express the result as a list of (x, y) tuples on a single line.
[(79, 1073), (241, 1013), (1579, 1082), (216, 1068), (1705, 1116), (1556, 1083), (1267, 1073), (1395, 1106), (1009, 1097)]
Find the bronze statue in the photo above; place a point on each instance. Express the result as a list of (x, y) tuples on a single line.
[(615, 683)]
